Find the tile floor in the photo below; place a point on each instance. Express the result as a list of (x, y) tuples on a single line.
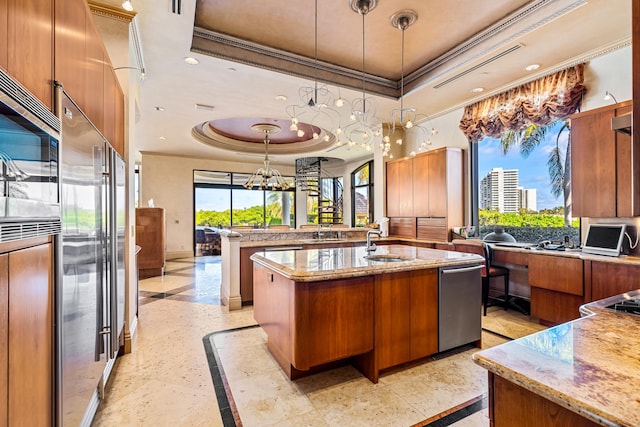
[(166, 381)]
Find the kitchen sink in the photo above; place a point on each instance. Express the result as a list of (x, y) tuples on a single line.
[(387, 258), (321, 240)]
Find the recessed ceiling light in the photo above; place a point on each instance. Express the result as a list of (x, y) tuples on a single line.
[(159, 108), (204, 107), (532, 67), (162, 138), (191, 60), (231, 69), (477, 89), (281, 97)]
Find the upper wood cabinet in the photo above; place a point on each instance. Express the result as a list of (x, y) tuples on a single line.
[(29, 44), (428, 188), (604, 165), (71, 50), (399, 188), (4, 47)]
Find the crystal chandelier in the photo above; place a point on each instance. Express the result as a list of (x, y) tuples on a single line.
[(267, 178), (405, 118)]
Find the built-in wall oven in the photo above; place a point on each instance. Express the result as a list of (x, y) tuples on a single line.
[(29, 169)]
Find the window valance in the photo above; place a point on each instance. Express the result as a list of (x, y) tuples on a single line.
[(538, 102)]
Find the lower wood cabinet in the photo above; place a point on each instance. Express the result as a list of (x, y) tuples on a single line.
[(406, 316), (150, 236), (613, 278), (513, 406), (26, 336), (557, 287)]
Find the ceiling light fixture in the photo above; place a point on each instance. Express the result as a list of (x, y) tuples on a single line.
[(126, 5), (315, 102), (532, 67), (405, 118), (608, 96), (267, 178), (477, 89), (191, 60), (364, 125)]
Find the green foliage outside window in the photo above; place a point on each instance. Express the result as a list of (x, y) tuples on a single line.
[(525, 219)]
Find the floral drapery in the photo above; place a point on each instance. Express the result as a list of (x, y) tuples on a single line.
[(538, 102)]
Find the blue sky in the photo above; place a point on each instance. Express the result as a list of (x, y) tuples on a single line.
[(533, 169)]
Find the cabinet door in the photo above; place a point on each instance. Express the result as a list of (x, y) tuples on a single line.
[(609, 279), (400, 188), (556, 273), (593, 165), (30, 46), (94, 89), (423, 313), (421, 185), (4, 338), (70, 68), (118, 144), (628, 181), (392, 319), (31, 337), (4, 46), (437, 184)]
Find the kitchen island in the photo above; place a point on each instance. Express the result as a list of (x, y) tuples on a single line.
[(581, 373), (322, 307)]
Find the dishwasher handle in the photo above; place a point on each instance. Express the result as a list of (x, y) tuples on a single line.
[(462, 269)]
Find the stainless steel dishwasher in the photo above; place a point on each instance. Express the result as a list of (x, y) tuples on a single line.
[(459, 306)]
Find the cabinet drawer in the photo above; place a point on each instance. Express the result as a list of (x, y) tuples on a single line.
[(432, 229), (402, 227), (432, 222), (556, 273), (502, 257)]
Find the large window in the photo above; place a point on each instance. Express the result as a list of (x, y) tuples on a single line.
[(362, 195), (523, 184), (221, 201)]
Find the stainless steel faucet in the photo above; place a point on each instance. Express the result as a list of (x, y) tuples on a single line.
[(371, 246)]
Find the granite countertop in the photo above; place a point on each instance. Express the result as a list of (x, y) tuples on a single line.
[(337, 263), (590, 366), (569, 253)]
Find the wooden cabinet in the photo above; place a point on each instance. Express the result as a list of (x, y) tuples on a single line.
[(511, 405), (4, 47), (313, 323), (613, 278), (429, 189), (605, 172), (399, 188), (26, 336), (150, 236), (70, 60), (29, 43), (557, 287), (406, 316)]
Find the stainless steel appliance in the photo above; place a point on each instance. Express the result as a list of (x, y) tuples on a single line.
[(459, 306), (29, 190), (91, 275)]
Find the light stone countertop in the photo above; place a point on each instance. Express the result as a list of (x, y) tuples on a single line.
[(338, 263), (590, 366)]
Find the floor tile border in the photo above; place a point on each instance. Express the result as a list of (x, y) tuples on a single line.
[(228, 409)]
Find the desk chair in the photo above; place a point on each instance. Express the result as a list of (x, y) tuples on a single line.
[(480, 248)]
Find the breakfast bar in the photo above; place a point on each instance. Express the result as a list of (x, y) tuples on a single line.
[(376, 310)]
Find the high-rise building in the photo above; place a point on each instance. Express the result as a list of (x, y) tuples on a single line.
[(527, 198), (499, 190)]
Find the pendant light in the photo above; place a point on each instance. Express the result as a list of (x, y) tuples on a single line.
[(266, 178)]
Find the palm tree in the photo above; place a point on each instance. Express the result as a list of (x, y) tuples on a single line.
[(528, 139)]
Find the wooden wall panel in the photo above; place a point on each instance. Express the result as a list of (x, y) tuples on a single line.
[(31, 364), (30, 46)]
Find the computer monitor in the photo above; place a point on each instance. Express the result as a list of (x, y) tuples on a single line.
[(604, 239)]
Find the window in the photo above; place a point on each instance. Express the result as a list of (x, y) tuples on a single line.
[(362, 195), (523, 184), (221, 201)]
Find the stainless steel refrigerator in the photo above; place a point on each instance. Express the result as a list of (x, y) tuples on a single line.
[(90, 288)]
